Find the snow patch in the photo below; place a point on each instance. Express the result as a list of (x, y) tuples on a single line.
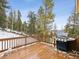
[(4, 34)]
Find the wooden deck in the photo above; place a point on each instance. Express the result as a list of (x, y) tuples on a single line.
[(37, 51)]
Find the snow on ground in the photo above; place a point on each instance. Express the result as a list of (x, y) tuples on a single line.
[(17, 32), (4, 34)]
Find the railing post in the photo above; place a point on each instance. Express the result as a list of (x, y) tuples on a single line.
[(14, 43), (4, 45)]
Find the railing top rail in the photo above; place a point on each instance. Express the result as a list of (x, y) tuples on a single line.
[(13, 38)]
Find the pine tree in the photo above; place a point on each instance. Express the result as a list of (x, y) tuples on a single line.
[(10, 21), (45, 17), (14, 20), (24, 27), (72, 27), (3, 6), (49, 16), (32, 21), (19, 22), (40, 20)]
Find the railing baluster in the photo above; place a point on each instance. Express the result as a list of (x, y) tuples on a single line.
[(7, 44), (25, 41), (12, 44), (2, 45), (15, 43)]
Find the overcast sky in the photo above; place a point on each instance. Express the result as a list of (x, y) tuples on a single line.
[(62, 9)]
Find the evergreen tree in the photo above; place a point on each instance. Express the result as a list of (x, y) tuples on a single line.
[(49, 16), (19, 22), (14, 20), (3, 5), (72, 27), (40, 20), (45, 17), (32, 21), (24, 27), (11, 19)]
